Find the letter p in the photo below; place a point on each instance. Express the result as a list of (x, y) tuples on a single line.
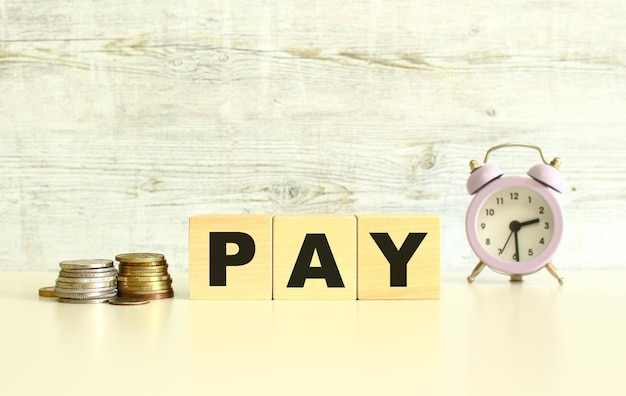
[(219, 259)]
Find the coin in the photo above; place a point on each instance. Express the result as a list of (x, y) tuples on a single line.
[(128, 301), (88, 270), (143, 292), (142, 271), (143, 264), (47, 291), (88, 273), (135, 279), (86, 280), (86, 263), (140, 258), (143, 275), (153, 296), (154, 285), (92, 301), (64, 293), (83, 285), (70, 290)]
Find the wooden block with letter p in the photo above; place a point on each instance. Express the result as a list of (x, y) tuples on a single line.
[(399, 257), (230, 257), (314, 257)]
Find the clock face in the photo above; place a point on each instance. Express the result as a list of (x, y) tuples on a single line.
[(514, 225)]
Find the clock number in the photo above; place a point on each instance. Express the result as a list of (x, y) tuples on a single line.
[(547, 226), (483, 226), (530, 252), (490, 212), (541, 209), (514, 196), (541, 241), (488, 241), (530, 200), (515, 256), (499, 201)]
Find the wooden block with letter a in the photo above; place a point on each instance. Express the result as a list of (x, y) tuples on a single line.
[(398, 257), (314, 257), (230, 257)]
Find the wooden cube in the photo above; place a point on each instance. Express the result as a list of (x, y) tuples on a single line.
[(230, 257), (398, 257), (314, 257)]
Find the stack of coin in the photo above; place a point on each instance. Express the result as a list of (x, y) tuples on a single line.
[(143, 275), (86, 281)]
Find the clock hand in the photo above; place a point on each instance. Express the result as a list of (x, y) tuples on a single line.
[(529, 222), (505, 243), (516, 248), (515, 226)]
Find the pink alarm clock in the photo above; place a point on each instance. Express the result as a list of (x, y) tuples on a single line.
[(514, 224)]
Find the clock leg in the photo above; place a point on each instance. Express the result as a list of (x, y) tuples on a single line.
[(479, 267), (552, 270)]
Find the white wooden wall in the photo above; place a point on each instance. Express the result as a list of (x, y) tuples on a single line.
[(120, 119)]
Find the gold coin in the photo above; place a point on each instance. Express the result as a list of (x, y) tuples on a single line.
[(149, 296), (138, 279), (139, 258), (140, 271), (144, 264), (151, 288), (128, 301), (167, 281), (47, 291)]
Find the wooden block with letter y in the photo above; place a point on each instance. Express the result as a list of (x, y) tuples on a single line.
[(398, 257), (314, 257), (230, 257)]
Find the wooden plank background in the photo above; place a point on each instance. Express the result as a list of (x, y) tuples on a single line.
[(120, 119)]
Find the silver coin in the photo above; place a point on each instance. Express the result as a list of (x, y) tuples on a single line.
[(101, 290), (83, 285), (86, 263), (92, 301), (84, 295), (102, 269), (86, 280), (88, 273)]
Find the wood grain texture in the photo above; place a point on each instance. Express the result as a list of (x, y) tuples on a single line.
[(120, 120)]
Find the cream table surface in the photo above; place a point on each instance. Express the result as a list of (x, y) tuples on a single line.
[(491, 337)]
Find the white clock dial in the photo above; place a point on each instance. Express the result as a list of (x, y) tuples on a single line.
[(514, 224)]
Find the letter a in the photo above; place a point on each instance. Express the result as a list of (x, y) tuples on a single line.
[(303, 270)]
